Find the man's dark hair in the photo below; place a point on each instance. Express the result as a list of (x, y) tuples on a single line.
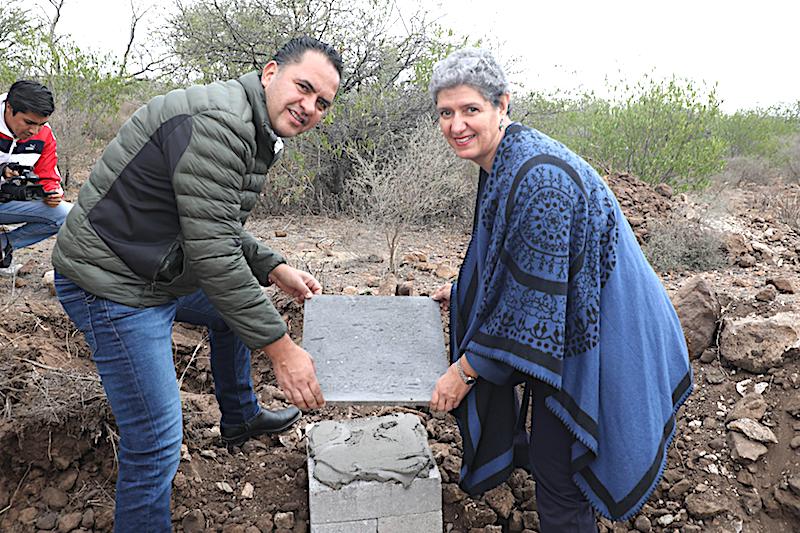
[(292, 52), (27, 96)]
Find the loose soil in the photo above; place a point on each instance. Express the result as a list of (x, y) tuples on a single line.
[(58, 440)]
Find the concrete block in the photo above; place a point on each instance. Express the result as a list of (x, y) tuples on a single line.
[(353, 526), (364, 498), (375, 349), (413, 523), (373, 499)]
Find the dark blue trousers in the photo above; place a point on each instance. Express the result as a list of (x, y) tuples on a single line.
[(561, 505)]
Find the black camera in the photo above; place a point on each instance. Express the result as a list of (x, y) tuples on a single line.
[(23, 187)]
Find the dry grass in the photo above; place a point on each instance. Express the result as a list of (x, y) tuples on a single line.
[(680, 244)]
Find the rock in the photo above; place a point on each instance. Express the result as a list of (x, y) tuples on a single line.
[(680, 488), (405, 289), (27, 268), (635, 221), (248, 491), (194, 522), (388, 286), (68, 522), (643, 524), (265, 522), (753, 430), (515, 521), (49, 281), (55, 498), (284, 520), (665, 519), (767, 294), (446, 271), (501, 499), (705, 505), (373, 281), (746, 261), (758, 344), (478, 514), (452, 493), (790, 502), (795, 442), (708, 356), (46, 521), (751, 502), (666, 191), (350, 291), (751, 406), (765, 251), (744, 449), (745, 478), (87, 520), (530, 519), (698, 310), (736, 245), (225, 487), (67, 480), (280, 233), (715, 376), (794, 484), (783, 285), (792, 406)]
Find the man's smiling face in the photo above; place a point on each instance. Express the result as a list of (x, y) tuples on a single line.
[(299, 94)]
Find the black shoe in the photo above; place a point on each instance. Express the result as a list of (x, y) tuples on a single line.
[(265, 422), (6, 254)]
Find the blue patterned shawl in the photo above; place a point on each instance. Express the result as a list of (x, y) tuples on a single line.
[(555, 287)]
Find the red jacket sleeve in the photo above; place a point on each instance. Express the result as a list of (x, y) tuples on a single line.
[(45, 166)]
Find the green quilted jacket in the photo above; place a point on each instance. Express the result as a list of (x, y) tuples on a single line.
[(162, 213)]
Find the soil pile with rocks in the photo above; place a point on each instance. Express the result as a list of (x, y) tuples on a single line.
[(734, 465)]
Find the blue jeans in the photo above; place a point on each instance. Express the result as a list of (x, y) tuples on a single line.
[(132, 348), (39, 221)]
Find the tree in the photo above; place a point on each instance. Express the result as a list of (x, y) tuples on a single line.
[(213, 40)]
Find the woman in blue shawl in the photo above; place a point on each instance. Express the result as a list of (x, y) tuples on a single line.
[(554, 292)]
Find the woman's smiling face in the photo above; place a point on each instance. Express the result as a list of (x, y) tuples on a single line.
[(471, 123)]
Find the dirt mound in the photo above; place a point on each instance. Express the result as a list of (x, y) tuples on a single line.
[(57, 469), (642, 204)]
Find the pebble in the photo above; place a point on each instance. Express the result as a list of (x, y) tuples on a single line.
[(643, 524), (284, 520), (68, 522)]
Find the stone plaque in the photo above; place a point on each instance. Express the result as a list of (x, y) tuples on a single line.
[(375, 349)]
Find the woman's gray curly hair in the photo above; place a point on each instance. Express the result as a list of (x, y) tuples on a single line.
[(475, 67)]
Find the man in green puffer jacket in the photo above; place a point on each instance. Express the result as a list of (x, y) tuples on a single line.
[(157, 236)]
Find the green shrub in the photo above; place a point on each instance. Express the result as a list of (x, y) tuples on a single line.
[(659, 130)]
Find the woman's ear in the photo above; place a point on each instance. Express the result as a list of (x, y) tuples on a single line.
[(505, 101)]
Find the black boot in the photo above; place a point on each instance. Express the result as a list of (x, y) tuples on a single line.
[(264, 422)]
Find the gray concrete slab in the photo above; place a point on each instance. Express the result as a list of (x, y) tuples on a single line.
[(375, 349)]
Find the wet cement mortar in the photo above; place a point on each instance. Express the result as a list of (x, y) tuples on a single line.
[(58, 439)]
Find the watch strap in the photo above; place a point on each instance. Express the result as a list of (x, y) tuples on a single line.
[(468, 380)]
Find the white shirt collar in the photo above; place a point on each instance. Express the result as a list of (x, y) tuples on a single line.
[(4, 129)]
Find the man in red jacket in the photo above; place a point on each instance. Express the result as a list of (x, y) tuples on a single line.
[(26, 139)]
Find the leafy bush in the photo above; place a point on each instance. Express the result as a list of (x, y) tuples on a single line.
[(659, 130)]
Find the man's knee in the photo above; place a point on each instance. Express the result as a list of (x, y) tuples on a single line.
[(60, 213)]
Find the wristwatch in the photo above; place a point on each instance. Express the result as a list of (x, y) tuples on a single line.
[(468, 380)]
